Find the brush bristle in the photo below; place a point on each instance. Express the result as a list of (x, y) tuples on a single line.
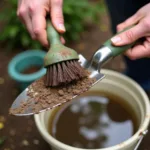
[(64, 73)]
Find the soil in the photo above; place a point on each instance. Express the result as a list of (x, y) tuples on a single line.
[(31, 69), (42, 97), (21, 132)]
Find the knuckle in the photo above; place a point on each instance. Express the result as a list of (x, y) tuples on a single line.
[(119, 26), (32, 8), (129, 34), (37, 31), (58, 15), (21, 12), (146, 23)]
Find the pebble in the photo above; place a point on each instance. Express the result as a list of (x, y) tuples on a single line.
[(76, 91), (56, 96), (36, 142), (69, 90), (61, 92), (64, 89), (25, 143), (12, 132)]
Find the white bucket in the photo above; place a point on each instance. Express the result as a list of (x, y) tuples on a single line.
[(117, 84)]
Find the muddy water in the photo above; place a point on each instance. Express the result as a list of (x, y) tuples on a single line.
[(98, 121)]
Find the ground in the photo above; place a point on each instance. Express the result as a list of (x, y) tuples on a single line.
[(21, 132)]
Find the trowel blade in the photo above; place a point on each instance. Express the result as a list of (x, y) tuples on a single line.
[(23, 97)]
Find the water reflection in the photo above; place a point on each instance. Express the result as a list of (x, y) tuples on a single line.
[(93, 122)]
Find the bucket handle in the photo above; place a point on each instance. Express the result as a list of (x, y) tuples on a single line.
[(141, 139)]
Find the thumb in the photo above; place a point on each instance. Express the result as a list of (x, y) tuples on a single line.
[(129, 36)]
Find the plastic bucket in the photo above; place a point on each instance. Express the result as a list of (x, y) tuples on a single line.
[(117, 84), (23, 61)]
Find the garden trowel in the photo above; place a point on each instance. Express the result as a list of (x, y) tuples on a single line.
[(101, 56)]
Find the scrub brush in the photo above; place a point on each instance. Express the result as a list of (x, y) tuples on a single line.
[(61, 62)]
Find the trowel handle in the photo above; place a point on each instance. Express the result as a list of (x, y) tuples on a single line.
[(116, 50), (52, 34)]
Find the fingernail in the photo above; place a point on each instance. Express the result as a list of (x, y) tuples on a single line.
[(61, 27), (116, 39)]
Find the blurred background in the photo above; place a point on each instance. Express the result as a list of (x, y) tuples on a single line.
[(88, 26)]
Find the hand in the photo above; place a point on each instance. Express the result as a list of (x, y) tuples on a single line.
[(33, 12), (140, 30)]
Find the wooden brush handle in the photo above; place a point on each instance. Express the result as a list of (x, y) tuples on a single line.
[(52, 34)]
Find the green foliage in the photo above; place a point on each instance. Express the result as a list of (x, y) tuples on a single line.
[(14, 33), (2, 140), (76, 14)]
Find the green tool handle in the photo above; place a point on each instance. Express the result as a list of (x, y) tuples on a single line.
[(52, 34), (116, 50)]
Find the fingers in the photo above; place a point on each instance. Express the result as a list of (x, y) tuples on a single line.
[(57, 15), (39, 26), (130, 35), (25, 18), (141, 29), (34, 20), (139, 51), (130, 21), (28, 23)]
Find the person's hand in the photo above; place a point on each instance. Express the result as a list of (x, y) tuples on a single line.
[(140, 30), (33, 12)]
